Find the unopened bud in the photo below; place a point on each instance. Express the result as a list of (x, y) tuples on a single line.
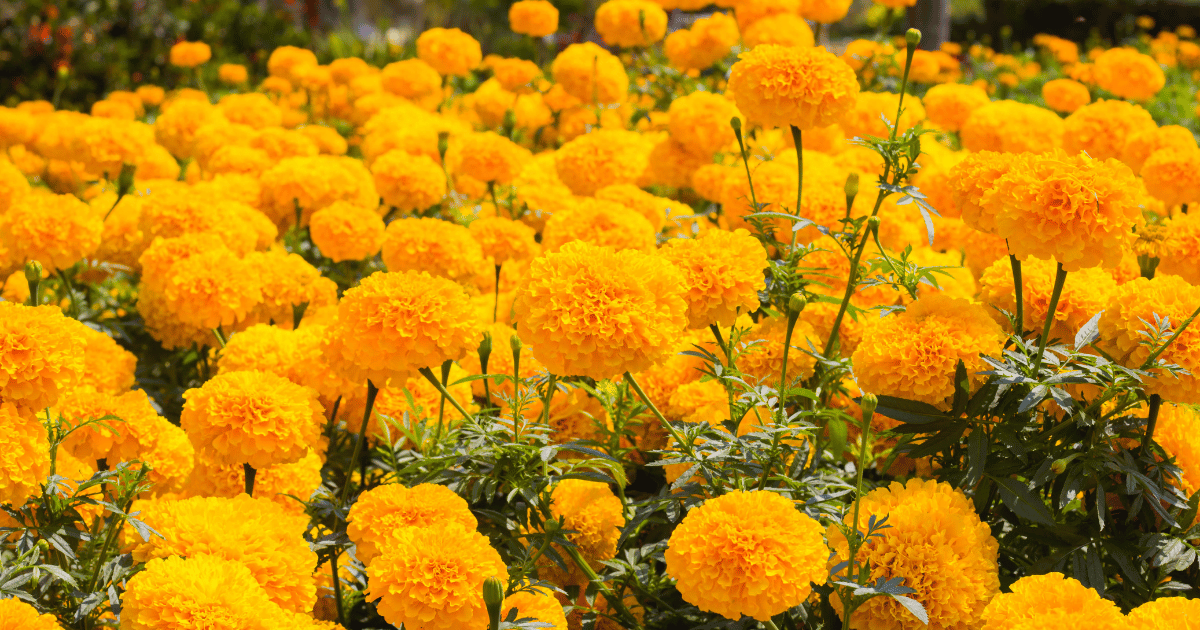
[(485, 350), (796, 303), (873, 223), (868, 403), (514, 342), (1059, 466), (852, 185), (912, 37), (736, 123), (43, 545), (33, 271), (493, 598), (63, 72)]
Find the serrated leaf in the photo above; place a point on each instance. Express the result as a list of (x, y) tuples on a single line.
[(909, 411), (913, 606), (977, 454), (838, 433), (1022, 501), (1033, 398)]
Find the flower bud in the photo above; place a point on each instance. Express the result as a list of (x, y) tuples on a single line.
[(485, 350), (912, 37), (33, 272), (873, 223), (736, 123), (1059, 466), (514, 342), (796, 303), (493, 598), (852, 185), (868, 403)]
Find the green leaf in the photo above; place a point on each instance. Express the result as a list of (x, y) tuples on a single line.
[(962, 389), (909, 411), (1027, 505), (977, 455), (837, 437)]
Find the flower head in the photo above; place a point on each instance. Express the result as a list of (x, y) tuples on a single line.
[(24, 456), (1085, 293), (780, 86), (723, 274), (378, 513), (434, 246), (538, 605), (190, 54), (1129, 74), (746, 553), (1102, 128), (1039, 601), (1141, 145), (1164, 613), (783, 29), (19, 615), (1125, 321), (55, 230), (630, 23), (449, 50), (948, 105), (232, 74), (593, 513), (282, 483), (503, 239), (1172, 175), (200, 591), (288, 281), (595, 312), (602, 158), (700, 122), (871, 109), (407, 181), (344, 231), (312, 183), (1065, 95), (936, 543), (536, 18), (599, 222), (591, 74), (486, 156), (41, 354), (1012, 127)]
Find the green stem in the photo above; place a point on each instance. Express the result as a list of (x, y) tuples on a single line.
[(787, 345), (67, 288), (1154, 355), (250, 474), (737, 131), (550, 385), (1060, 278), (496, 301), (1151, 422), (1019, 294), (768, 623), (657, 414), (609, 597), (428, 374), (796, 138), (337, 591), (851, 282), (716, 331), (372, 392), (854, 544), (442, 401), (220, 336)]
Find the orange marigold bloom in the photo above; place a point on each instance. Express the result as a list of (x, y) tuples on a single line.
[(1164, 613), (378, 513), (344, 231), (432, 579), (392, 324), (1182, 248), (700, 122), (707, 41), (203, 590), (298, 479), (602, 158), (433, 246), (209, 290), (1173, 175), (780, 86), (536, 18), (538, 605), (1065, 95), (914, 355), (1176, 433), (287, 282), (723, 273), (285, 59), (408, 182), (784, 29), (313, 182), (1129, 74), (950, 104), (1076, 209), (937, 543), (764, 360), (503, 239), (825, 11), (594, 514), (190, 54), (108, 367), (659, 211), (1103, 127), (591, 311), (41, 354), (599, 222), (18, 615), (590, 74), (973, 187), (1085, 293), (1037, 600), (486, 156), (175, 128), (55, 230), (747, 553), (232, 73), (24, 454), (252, 417), (252, 109), (630, 23), (449, 50), (1141, 145), (1133, 309), (867, 116), (1012, 127)]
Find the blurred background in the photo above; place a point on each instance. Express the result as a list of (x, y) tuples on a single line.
[(76, 51)]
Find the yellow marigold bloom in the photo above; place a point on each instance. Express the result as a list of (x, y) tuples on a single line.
[(298, 479), (764, 360), (657, 210), (602, 158), (1182, 248), (723, 273), (13, 184), (937, 543), (18, 615), (707, 41), (1165, 613), (590, 74), (24, 453), (503, 239), (780, 86), (212, 289), (1085, 293), (432, 579), (1065, 95), (433, 246), (327, 139), (392, 324), (1075, 209), (285, 59), (151, 95), (344, 231), (973, 187), (287, 282), (536, 18), (775, 187), (671, 164), (252, 109), (116, 110), (630, 23), (190, 54), (1012, 127), (1140, 146), (783, 29), (1171, 175), (538, 605), (313, 183), (104, 145), (41, 354), (746, 553), (1129, 74), (252, 417), (108, 367), (1133, 305), (1176, 433), (865, 118), (591, 311), (950, 104), (486, 156), (449, 51), (1037, 600), (378, 513), (700, 122), (413, 79), (55, 230), (594, 513), (1103, 127), (599, 223), (232, 74), (175, 128), (408, 182), (914, 355), (825, 11)]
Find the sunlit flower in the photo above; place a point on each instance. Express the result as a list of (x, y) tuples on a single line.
[(780, 86)]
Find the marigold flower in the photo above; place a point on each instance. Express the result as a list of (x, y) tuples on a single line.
[(594, 514), (590, 74), (937, 543), (414, 80), (630, 23), (41, 354), (19, 615), (190, 54), (312, 183), (55, 230), (24, 454), (914, 355), (866, 117), (1102, 128), (1044, 599), (1012, 127), (486, 156), (723, 273), (775, 187), (232, 74), (116, 110), (1182, 247), (503, 239), (601, 223), (536, 18), (783, 29), (252, 109), (287, 281), (254, 532), (252, 417), (108, 367), (1173, 175), (449, 50), (344, 231), (1164, 613), (378, 513), (1076, 209), (538, 605), (409, 182), (780, 86), (278, 483), (1140, 301), (175, 128), (432, 579), (1129, 74), (595, 312), (746, 553), (209, 290), (707, 41), (1085, 293), (950, 104), (327, 139), (151, 95), (433, 246), (514, 74), (392, 324), (1176, 431), (1140, 146), (284, 60), (602, 158), (700, 122), (1065, 95)]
